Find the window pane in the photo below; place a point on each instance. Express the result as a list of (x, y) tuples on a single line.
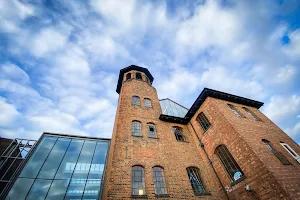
[(195, 180), (68, 164), (52, 163), (77, 184), (159, 181), (229, 163), (235, 110), (20, 189), (203, 121), (39, 189), (57, 190), (138, 181), (36, 161), (151, 131), (136, 100), (279, 155), (92, 188), (139, 76), (147, 103), (178, 133), (136, 128)]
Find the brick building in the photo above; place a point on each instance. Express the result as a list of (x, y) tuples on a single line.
[(223, 147)]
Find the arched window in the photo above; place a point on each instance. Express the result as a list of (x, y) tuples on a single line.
[(136, 128), (278, 154), (235, 110), (138, 76), (136, 100), (178, 133), (159, 181), (252, 114), (203, 121), (233, 169), (147, 79), (291, 151), (138, 180), (128, 76), (195, 180), (151, 130), (147, 103)]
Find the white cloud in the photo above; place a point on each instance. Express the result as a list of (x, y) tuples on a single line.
[(293, 48), (13, 87), (282, 107), (13, 72), (294, 131), (8, 114)]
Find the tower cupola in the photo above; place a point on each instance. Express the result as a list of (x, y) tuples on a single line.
[(133, 72)]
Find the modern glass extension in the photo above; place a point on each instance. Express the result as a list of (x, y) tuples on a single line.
[(172, 108), (62, 167)]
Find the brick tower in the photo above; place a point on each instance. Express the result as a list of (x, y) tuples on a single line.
[(223, 147)]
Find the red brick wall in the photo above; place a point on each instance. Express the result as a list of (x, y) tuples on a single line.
[(265, 174), (127, 150)]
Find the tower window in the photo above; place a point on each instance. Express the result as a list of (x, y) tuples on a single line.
[(178, 133), (203, 121), (290, 150), (278, 154), (235, 110), (138, 181), (147, 79), (147, 103), (252, 114), (151, 130), (128, 76), (138, 76), (136, 128), (234, 171), (159, 181), (136, 100), (195, 180)]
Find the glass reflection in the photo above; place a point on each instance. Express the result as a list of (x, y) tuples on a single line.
[(39, 189), (50, 167), (20, 189), (171, 108), (69, 169), (36, 161)]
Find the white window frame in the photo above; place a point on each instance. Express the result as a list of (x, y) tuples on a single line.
[(289, 149)]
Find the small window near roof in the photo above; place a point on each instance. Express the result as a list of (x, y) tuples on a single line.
[(195, 180), (138, 76), (203, 121), (138, 181), (278, 154), (136, 100), (252, 114), (136, 128), (147, 79), (233, 169), (235, 110), (147, 103), (178, 133), (128, 76), (159, 181), (151, 130)]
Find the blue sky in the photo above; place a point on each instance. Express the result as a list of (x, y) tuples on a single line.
[(60, 59)]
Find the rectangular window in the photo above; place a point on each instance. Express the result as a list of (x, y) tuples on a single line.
[(136, 100), (203, 121), (278, 154), (252, 114), (159, 181), (151, 131), (195, 180), (138, 181), (291, 151), (147, 103), (136, 128)]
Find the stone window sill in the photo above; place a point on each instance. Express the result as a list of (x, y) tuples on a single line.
[(203, 194), (237, 181), (139, 196), (162, 195)]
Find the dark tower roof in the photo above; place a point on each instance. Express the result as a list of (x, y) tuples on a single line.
[(129, 68)]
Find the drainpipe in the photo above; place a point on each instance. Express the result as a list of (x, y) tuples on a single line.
[(210, 163)]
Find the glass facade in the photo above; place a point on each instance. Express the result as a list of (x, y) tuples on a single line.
[(62, 168), (171, 108)]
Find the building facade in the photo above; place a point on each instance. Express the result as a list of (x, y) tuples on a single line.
[(223, 147)]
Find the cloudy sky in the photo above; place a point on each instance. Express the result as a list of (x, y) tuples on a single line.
[(60, 59)]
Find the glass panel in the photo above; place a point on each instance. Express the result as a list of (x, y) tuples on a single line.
[(39, 189), (92, 188), (52, 163), (20, 189), (57, 190), (171, 108), (138, 181), (68, 164), (36, 161), (159, 181), (77, 184)]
